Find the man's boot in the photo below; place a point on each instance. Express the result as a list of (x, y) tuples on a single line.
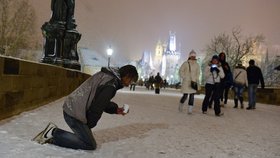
[(235, 103), (241, 102)]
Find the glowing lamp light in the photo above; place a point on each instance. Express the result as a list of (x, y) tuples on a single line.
[(109, 53)]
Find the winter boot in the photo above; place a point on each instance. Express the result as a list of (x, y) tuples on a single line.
[(235, 103), (190, 109), (241, 102), (180, 108)]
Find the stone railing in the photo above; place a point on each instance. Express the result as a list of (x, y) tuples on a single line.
[(265, 96), (27, 85)]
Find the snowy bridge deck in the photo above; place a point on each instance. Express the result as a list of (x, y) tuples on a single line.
[(153, 128)]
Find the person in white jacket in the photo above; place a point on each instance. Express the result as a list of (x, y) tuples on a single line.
[(213, 75), (189, 71), (239, 83)]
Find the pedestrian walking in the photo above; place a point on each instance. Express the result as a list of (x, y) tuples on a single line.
[(158, 83), (254, 76), (151, 82), (132, 86), (189, 72), (239, 84)]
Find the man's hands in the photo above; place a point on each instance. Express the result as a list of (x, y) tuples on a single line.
[(123, 110)]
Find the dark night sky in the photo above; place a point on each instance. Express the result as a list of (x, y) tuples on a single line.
[(133, 26)]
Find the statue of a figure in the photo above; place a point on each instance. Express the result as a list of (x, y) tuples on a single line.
[(63, 10), (61, 36)]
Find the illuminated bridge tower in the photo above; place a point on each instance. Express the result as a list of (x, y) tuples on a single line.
[(170, 60)]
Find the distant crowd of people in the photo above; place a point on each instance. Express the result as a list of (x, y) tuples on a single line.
[(152, 83)]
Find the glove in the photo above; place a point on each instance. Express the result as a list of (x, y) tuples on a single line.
[(214, 69)]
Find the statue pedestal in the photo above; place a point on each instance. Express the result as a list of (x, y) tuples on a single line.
[(53, 61), (61, 36), (60, 47), (71, 64)]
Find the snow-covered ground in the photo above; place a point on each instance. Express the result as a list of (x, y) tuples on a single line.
[(153, 129)]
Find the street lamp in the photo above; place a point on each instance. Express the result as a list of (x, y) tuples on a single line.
[(109, 53)]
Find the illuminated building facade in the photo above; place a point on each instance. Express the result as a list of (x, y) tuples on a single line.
[(165, 61)]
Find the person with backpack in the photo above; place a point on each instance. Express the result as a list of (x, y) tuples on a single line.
[(239, 83)]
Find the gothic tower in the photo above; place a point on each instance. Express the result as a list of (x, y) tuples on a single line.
[(158, 55), (172, 56)]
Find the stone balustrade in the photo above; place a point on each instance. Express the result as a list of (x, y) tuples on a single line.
[(26, 85)]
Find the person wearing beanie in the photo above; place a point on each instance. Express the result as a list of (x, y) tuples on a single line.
[(213, 75), (254, 76), (188, 72), (239, 83), (192, 54), (227, 81)]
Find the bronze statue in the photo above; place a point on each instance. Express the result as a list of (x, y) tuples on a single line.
[(61, 36)]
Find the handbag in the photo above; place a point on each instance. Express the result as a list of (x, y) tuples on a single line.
[(194, 85)]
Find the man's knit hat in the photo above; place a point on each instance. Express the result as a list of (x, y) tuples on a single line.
[(192, 54)]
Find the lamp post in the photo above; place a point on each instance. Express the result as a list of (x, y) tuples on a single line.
[(109, 53)]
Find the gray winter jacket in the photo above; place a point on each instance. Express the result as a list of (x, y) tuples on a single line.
[(86, 99)]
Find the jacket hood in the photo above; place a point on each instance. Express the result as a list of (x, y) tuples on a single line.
[(111, 71), (115, 73), (222, 60), (240, 67)]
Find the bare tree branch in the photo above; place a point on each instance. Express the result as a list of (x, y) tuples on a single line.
[(238, 48), (16, 25)]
